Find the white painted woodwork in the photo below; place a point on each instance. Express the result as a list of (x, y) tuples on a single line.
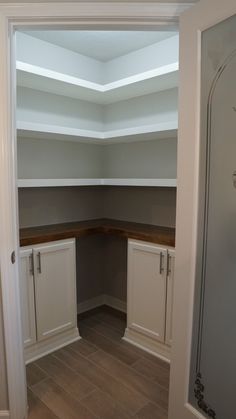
[(145, 132), (156, 80), (170, 296), (147, 289), (47, 346), (55, 291), (27, 296), (39, 183), (50, 66), (11, 17), (203, 15)]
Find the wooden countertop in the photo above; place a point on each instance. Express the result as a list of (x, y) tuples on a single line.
[(42, 234)]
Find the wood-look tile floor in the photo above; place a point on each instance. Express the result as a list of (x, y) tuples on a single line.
[(100, 376)]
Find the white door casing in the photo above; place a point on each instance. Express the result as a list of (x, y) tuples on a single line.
[(86, 15), (192, 23)]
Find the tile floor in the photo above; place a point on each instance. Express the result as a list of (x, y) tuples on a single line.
[(100, 376)]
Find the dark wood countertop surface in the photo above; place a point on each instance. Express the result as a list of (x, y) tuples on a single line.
[(150, 233)]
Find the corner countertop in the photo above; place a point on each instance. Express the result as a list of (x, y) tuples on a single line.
[(146, 232)]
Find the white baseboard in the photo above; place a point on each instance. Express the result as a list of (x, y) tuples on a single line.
[(90, 304), (39, 349), (100, 301), (115, 303), (4, 414), (155, 348)]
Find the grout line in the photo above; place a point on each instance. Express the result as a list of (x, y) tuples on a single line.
[(54, 414), (127, 365)]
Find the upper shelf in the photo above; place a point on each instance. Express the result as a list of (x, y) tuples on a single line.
[(42, 79), (40, 183), (146, 132)]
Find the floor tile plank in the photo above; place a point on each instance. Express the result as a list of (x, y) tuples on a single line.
[(65, 377), (130, 399), (132, 378), (37, 409), (150, 411), (34, 374), (107, 345), (61, 403), (153, 371), (104, 406)]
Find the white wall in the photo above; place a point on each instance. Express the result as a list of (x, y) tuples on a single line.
[(159, 54), (45, 108), (41, 53)]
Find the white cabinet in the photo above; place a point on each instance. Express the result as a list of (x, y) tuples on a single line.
[(48, 296), (169, 296), (150, 296), (27, 297)]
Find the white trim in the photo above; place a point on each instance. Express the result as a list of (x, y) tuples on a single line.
[(101, 300), (204, 15), (161, 130), (148, 344), (194, 411), (40, 349), (165, 183), (101, 13), (138, 345), (4, 414), (90, 304), (115, 303), (51, 81), (40, 183)]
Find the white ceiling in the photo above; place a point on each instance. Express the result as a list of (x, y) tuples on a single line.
[(101, 45)]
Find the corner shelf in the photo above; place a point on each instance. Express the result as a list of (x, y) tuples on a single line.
[(43, 79), (40, 183), (146, 132)]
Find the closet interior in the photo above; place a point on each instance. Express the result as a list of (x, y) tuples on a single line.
[(97, 123)]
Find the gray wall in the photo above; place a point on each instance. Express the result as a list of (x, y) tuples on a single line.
[(155, 206), (144, 159), (40, 206), (107, 274), (3, 381)]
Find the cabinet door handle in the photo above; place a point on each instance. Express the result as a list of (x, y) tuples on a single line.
[(168, 264), (31, 264), (161, 264), (39, 261)]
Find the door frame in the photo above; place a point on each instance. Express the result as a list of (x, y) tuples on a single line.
[(204, 15), (107, 15)]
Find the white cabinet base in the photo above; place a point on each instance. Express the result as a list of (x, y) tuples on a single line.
[(150, 345), (40, 349)]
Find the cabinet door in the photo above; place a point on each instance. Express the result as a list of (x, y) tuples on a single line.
[(27, 296), (147, 289), (170, 295), (55, 287)]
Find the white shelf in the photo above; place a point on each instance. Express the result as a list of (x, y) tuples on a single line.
[(146, 132), (156, 80), (39, 183)]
